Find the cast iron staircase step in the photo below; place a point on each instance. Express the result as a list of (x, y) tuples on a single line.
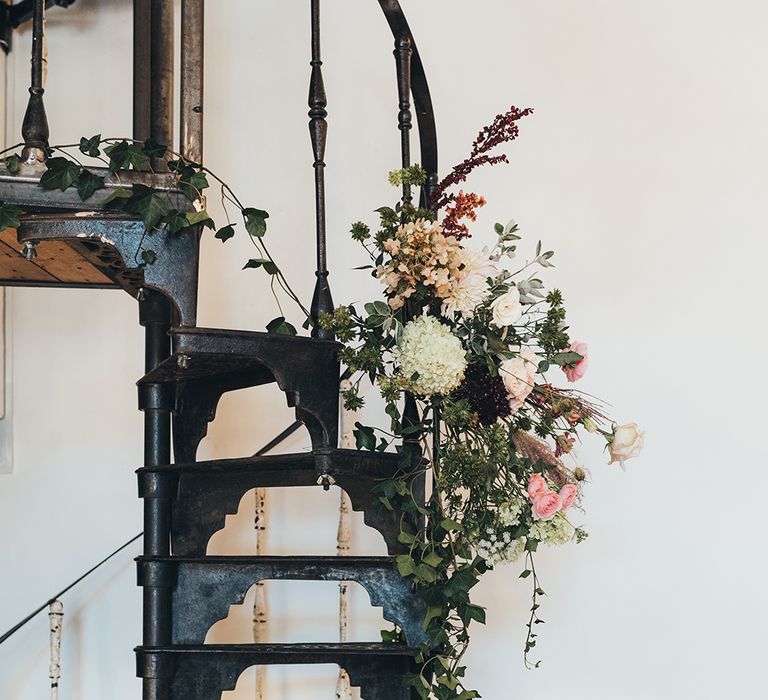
[(204, 588), (208, 362), (204, 672), (204, 493)]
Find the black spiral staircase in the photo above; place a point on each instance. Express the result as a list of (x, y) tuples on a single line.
[(188, 369)]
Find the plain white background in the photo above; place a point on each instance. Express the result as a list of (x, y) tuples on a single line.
[(643, 167)]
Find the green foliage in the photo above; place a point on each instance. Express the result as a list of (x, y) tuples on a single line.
[(88, 183), (279, 326), (61, 173), (10, 216), (255, 221), (13, 163)]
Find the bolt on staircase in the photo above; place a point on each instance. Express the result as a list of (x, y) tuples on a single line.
[(189, 369)]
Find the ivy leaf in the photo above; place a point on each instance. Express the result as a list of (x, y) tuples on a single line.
[(279, 326), (432, 559), (269, 267), (225, 233), (148, 204), (61, 173), (433, 612), (154, 149), (124, 155), (10, 216), (88, 183), (475, 612), (526, 573), (200, 217), (13, 163), (405, 564), (192, 184), (91, 146), (175, 221), (149, 256), (255, 221), (117, 194), (365, 438), (449, 525), (531, 545)]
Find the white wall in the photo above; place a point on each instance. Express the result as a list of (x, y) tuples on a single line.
[(643, 167)]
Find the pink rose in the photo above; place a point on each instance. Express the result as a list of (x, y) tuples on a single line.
[(536, 486), (546, 504), (519, 375), (568, 495), (577, 371)]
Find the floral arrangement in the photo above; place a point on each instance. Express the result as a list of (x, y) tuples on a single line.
[(462, 350)]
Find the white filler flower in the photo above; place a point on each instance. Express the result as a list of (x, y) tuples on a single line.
[(430, 357)]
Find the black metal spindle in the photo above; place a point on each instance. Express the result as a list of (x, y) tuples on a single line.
[(34, 128), (322, 302), (192, 52), (403, 54)]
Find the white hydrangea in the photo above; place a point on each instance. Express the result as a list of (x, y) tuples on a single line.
[(509, 513), (499, 550), (430, 352), (555, 531)]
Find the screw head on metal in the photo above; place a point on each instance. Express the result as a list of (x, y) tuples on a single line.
[(326, 481), (29, 251)]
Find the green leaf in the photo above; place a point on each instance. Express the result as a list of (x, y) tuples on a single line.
[(225, 233), (433, 612), (88, 183), (154, 149), (255, 221), (567, 358), (12, 163), (149, 256), (61, 173), (119, 193), (10, 216), (148, 204), (192, 186), (91, 146), (498, 228), (432, 559), (531, 545), (475, 612), (449, 525), (269, 267), (526, 573), (365, 437), (124, 155), (175, 221), (405, 564), (200, 217), (279, 326)]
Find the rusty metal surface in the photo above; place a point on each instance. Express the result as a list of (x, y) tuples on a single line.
[(203, 672), (192, 74), (203, 589)]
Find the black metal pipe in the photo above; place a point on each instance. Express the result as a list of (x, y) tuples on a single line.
[(156, 401), (192, 74), (141, 73), (322, 302), (161, 73), (34, 128)]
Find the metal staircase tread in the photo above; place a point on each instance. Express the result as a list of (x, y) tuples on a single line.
[(204, 353), (274, 560), (329, 460), (316, 649)]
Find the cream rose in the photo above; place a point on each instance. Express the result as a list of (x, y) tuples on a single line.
[(519, 375), (625, 443), (507, 308)]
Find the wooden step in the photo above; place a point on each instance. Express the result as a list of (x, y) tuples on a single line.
[(204, 588), (204, 672)]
